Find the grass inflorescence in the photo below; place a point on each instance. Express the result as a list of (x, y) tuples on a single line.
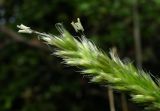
[(103, 68)]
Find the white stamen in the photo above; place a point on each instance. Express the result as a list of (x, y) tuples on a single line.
[(77, 25), (24, 29)]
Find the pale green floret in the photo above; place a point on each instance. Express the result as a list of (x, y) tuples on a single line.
[(142, 98)]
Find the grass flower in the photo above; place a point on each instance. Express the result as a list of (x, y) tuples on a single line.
[(103, 68)]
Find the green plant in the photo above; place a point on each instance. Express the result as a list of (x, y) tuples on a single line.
[(103, 68)]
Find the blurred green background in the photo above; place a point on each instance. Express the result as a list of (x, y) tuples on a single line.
[(31, 79)]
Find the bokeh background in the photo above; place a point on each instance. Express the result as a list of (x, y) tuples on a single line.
[(31, 79)]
